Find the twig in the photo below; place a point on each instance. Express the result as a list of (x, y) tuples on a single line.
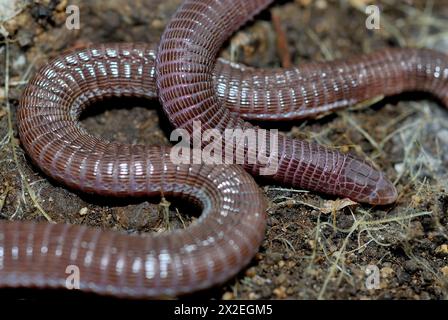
[(282, 41)]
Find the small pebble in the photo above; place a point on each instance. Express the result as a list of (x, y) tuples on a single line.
[(19, 62), (157, 24), (83, 211), (445, 271), (228, 296), (399, 167), (442, 250), (321, 4), (410, 266), (416, 199), (427, 276), (259, 256), (62, 5), (304, 3), (387, 272), (253, 296), (280, 292), (25, 38), (251, 272), (312, 244)]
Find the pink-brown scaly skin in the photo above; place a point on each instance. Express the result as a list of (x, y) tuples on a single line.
[(184, 69), (191, 87), (210, 251)]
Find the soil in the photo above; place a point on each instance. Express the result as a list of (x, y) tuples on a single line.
[(316, 246)]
